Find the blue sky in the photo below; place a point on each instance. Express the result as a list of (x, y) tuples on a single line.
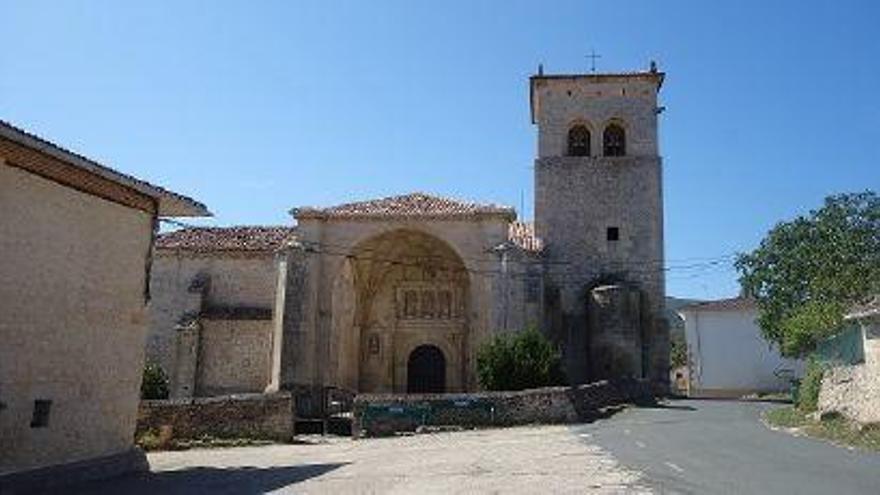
[(256, 107)]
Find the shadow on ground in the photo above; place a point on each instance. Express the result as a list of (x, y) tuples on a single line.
[(244, 480)]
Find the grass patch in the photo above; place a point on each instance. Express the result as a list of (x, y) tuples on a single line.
[(835, 429)]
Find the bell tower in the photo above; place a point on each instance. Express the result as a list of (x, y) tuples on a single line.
[(599, 211)]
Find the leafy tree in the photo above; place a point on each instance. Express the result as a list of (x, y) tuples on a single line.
[(677, 352), (807, 272), (155, 383), (518, 361)]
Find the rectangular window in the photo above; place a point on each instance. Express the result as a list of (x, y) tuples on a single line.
[(612, 234), (40, 419)]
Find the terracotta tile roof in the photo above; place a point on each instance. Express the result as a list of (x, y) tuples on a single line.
[(247, 238), (170, 203), (731, 304), (413, 205), (523, 235), (868, 308)]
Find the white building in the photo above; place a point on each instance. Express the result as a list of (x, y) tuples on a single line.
[(727, 356)]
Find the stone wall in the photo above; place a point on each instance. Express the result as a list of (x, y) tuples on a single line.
[(578, 198), (184, 284), (376, 415), (320, 345), (268, 416), (234, 357), (72, 324), (852, 391)]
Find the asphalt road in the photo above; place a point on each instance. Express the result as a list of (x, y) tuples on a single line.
[(721, 447)]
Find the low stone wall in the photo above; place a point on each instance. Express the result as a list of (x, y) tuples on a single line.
[(852, 391), (378, 415), (265, 416)]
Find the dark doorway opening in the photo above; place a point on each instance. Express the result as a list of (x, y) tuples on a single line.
[(426, 371)]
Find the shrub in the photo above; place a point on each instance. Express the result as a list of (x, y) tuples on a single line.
[(518, 361), (808, 393), (155, 383), (677, 352)]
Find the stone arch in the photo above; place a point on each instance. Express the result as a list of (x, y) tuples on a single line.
[(409, 288), (579, 139), (614, 138), (426, 370)]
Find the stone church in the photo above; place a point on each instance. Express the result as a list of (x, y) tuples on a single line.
[(396, 295)]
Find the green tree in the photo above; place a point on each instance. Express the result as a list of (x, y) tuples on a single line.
[(518, 361), (677, 352), (807, 272), (155, 383)]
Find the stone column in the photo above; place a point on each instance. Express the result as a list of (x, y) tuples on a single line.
[(184, 380), (278, 323)]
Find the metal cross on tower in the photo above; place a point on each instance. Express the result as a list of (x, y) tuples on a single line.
[(593, 56)]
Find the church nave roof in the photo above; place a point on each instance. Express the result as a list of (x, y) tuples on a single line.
[(413, 205), (243, 238)]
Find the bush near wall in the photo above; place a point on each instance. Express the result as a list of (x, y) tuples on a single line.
[(154, 384), (519, 361), (811, 384)]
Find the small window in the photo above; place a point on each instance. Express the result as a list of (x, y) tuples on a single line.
[(40, 418), (614, 141), (579, 141), (612, 234)]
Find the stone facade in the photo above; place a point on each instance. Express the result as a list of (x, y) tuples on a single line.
[(396, 294), (76, 241), (211, 320), (601, 219), (356, 274), (266, 416), (378, 415), (854, 391)]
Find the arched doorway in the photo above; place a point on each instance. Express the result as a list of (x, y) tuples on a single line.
[(426, 371), (407, 288)]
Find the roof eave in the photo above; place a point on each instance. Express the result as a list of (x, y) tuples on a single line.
[(170, 204)]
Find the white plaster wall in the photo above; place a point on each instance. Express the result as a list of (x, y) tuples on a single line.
[(72, 321), (728, 355)]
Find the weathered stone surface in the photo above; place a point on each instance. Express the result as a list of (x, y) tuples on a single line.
[(235, 293), (578, 198), (852, 391), (268, 416), (376, 415)]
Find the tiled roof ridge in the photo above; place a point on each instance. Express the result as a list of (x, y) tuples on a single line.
[(233, 238), (413, 204)]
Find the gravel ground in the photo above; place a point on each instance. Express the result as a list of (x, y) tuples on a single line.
[(540, 459)]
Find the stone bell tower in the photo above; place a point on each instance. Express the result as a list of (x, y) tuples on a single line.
[(599, 210)]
